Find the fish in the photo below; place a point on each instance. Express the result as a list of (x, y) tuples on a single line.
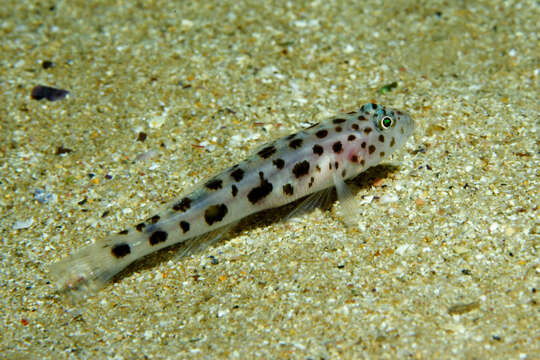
[(304, 164)]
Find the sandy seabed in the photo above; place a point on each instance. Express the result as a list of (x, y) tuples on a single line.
[(444, 261)]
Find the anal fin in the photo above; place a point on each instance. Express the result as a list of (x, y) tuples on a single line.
[(199, 243)]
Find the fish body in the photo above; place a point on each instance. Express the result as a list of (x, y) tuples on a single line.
[(303, 163)]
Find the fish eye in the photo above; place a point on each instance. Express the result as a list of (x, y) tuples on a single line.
[(386, 122)]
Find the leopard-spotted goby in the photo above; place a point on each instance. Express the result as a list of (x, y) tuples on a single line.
[(303, 163)]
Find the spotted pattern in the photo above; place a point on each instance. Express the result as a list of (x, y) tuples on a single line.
[(154, 219), (318, 149), (237, 175), (261, 191), (184, 225), (392, 142), (368, 130), (351, 137), (214, 184), (268, 151), (296, 143), (381, 138), (372, 149), (279, 163), (215, 213), (301, 169), (337, 147), (120, 250), (157, 237), (183, 205), (321, 133), (234, 190), (140, 227), (338, 121), (288, 189), (123, 232)]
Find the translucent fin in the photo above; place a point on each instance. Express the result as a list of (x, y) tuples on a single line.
[(347, 208), (321, 198), (199, 243), (87, 270)]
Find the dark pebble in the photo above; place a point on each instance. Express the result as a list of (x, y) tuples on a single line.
[(141, 137), (62, 150), (45, 92), (47, 64)]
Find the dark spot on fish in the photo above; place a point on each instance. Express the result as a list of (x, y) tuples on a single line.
[(237, 174), (343, 173), (214, 184), (266, 152), (157, 237), (355, 126), (301, 168), (381, 138), (215, 213), (362, 118), (337, 147), (382, 154), (183, 205), (234, 190), (140, 226), (311, 181), (351, 137), (120, 250), (184, 225), (288, 189), (318, 149), (363, 145), (392, 142), (154, 219), (368, 130), (338, 128), (296, 143), (336, 165), (354, 158), (372, 149), (123, 232), (321, 133), (338, 121), (279, 163), (260, 192)]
